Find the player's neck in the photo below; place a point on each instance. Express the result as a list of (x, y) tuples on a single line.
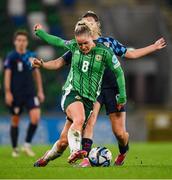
[(21, 51)]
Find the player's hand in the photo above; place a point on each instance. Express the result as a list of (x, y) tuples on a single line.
[(37, 27), (160, 43), (121, 101), (37, 63), (9, 98), (41, 96)]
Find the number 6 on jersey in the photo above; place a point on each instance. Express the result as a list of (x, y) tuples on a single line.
[(85, 66)]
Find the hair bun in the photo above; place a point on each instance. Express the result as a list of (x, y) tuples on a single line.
[(81, 24)]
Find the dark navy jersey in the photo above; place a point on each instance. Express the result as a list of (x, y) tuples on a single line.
[(109, 79), (22, 82)]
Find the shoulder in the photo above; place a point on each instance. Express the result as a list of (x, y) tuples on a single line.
[(107, 39), (9, 58), (12, 55), (71, 44)]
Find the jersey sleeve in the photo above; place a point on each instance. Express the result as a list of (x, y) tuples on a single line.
[(67, 57), (118, 48), (7, 62), (114, 65), (54, 40)]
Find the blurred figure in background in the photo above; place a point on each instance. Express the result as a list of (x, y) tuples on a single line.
[(20, 91)]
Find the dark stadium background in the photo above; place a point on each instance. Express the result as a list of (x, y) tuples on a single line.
[(135, 23)]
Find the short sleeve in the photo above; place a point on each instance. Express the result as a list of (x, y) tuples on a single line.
[(7, 63), (67, 57)]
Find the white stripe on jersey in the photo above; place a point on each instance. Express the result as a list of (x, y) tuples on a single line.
[(67, 92)]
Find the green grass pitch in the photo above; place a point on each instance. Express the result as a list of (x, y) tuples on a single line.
[(145, 160)]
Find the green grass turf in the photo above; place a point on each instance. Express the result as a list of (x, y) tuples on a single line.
[(145, 160)]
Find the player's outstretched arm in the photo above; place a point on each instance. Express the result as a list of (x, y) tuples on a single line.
[(50, 65), (137, 53), (50, 39)]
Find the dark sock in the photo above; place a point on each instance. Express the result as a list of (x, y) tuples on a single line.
[(14, 136), (30, 132), (123, 149), (86, 144)]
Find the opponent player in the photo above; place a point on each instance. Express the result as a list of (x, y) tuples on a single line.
[(20, 91), (83, 84), (108, 90)]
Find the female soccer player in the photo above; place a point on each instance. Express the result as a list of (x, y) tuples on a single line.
[(82, 87), (108, 88)]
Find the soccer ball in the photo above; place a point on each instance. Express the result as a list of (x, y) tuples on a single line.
[(100, 156)]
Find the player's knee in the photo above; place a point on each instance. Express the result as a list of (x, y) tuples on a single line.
[(15, 124), (15, 121), (120, 135), (35, 116)]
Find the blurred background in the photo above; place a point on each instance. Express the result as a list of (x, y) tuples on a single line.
[(135, 23)]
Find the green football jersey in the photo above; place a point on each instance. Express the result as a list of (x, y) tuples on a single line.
[(87, 70)]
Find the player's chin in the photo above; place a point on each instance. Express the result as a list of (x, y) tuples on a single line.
[(86, 51)]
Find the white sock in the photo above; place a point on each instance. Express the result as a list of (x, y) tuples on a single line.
[(53, 153), (74, 140)]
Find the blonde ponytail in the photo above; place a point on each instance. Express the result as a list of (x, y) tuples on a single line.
[(82, 27)]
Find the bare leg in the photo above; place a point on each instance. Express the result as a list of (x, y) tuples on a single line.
[(119, 128), (88, 131)]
